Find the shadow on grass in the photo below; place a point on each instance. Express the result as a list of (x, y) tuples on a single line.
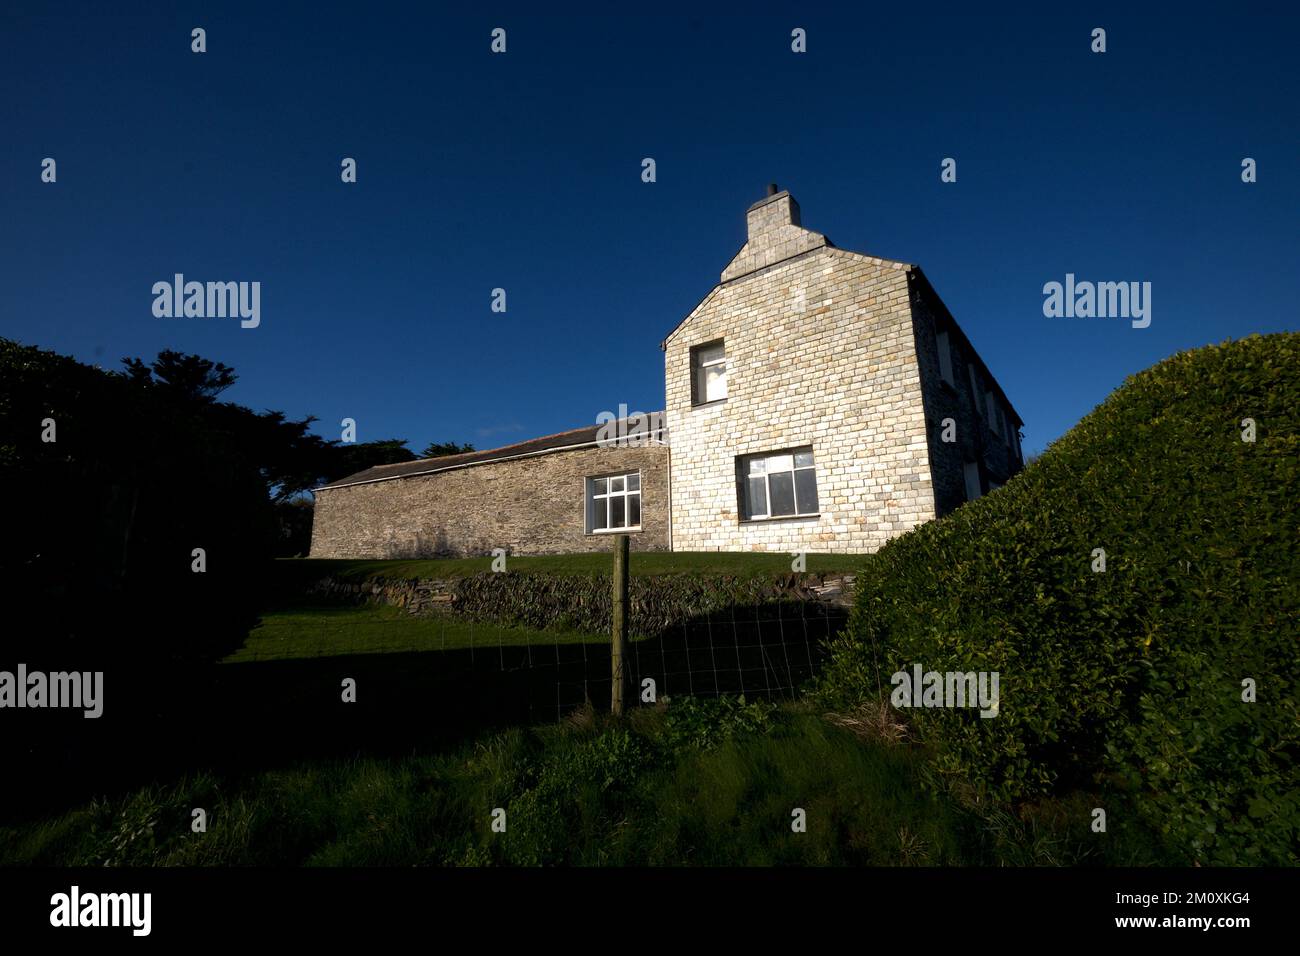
[(245, 717)]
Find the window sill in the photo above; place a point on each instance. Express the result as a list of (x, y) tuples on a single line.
[(635, 530), (716, 401), (807, 517)]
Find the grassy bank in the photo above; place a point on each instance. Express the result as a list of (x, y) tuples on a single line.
[(307, 627), (694, 783)]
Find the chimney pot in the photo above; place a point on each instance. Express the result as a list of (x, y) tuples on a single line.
[(771, 189)]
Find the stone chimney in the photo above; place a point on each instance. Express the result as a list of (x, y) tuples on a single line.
[(777, 209), (775, 234)]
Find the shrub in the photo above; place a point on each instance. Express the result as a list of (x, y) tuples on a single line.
[(1135, 673), (704, 722)]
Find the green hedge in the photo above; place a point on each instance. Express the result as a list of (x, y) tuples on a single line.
[(1130, 678)]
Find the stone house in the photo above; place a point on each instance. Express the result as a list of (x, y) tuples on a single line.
[(815, 400)]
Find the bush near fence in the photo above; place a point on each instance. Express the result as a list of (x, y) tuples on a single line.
[(1135, 673)]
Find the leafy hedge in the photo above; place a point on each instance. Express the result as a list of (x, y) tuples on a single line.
[(1131, 677)]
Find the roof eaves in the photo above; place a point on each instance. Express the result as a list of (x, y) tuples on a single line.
[(928, 288)]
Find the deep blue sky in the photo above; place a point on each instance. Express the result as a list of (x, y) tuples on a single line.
[(523, 171)]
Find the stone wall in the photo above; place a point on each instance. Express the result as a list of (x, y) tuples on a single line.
[(657, 604), (533, 505), (820, 351)]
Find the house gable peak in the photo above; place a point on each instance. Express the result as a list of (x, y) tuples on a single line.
[(774, 233)]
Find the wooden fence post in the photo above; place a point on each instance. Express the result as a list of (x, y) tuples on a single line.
[(618, 650)]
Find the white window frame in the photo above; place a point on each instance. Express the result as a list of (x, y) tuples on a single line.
[(945, 358), (594, 500), (699, 380), (743, 470)]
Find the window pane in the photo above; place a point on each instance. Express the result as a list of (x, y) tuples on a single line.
[(633, 511), (803, 459), (715, 383), (697, 386), (945, 357), (634, 482), (780, 463), (709, 353), (757, 466), (616, 484), (782, 485), (805, 490), (971, 470), (616, 516), (757, 495), (598, 514), (598, 486)]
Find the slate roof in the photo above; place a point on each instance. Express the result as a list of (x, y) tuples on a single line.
[(574, 437)]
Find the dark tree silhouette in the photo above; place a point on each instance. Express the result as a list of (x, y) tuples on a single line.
[(439, 449)]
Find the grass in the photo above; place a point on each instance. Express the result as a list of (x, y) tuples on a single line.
[(693, 783), (742, 564), (310, 627)]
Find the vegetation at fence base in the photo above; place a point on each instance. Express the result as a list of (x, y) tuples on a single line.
[(1133, 675), (704, 722), (682, 783)]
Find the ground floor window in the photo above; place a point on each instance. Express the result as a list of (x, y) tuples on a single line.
[(614, 503), (782, 485)]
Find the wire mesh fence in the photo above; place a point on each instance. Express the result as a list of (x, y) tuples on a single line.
[(769, 650)]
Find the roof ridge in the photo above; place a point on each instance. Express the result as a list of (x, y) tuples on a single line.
[(530, 446)]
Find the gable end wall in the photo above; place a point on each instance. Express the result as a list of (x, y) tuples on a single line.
[(820, 351)]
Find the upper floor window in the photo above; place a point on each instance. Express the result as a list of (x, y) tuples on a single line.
[(945, 358), (708, 373), (614, 503), (778, 486)]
